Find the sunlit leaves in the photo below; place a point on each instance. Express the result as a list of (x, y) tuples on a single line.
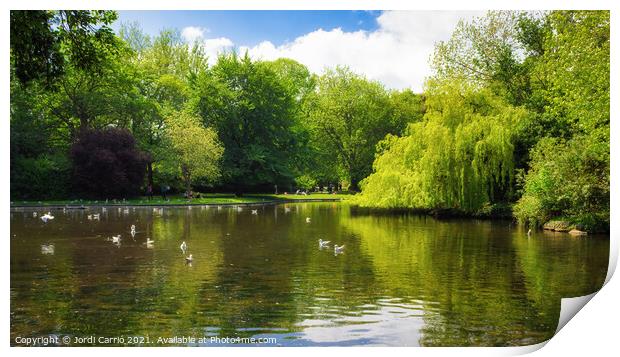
[(195, 151), (460, 156)]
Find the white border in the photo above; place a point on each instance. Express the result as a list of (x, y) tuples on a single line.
[(594, 330)]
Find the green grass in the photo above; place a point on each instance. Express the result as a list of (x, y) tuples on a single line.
[(212, 198)]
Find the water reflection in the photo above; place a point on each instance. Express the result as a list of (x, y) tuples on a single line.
[(401, 280)]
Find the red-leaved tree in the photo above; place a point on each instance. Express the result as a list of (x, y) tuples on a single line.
[(107, 164)]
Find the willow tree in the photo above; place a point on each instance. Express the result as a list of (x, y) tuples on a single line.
[(460, 156), (194, 151)]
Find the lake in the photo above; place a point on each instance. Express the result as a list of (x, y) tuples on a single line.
[(401, 280)]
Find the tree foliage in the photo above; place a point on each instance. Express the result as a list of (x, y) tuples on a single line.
[(194, 151), (348, 116), (460, 156), (569, 175), (514, 94), (107, 164), (516, 111), (253, 112), (44, 42)]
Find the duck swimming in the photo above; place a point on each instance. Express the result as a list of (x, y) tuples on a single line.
[(323, 243)]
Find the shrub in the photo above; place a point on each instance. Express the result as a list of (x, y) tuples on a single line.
[(107, 164), (306, 182), (567, 179), (43, 177)]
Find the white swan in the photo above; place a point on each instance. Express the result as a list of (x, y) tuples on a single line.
[(323, 243), (189, 258), (254, 211), (529, 232), (149, 241), (307, 219), (34, 214), (184, 247), (116, 239), (47, 217), (338, 249), (96, 216)]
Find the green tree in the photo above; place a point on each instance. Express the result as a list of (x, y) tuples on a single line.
[(194, 152), (569, 174), (43, 42), (567, 179), (460, 156), (348, 116), (253, 112)]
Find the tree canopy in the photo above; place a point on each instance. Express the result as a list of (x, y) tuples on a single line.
[(515, 114)]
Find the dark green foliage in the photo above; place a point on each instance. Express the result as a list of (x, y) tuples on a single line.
[(42, 177), (348, 115), (44, 42), (252, 111), (35, 49)]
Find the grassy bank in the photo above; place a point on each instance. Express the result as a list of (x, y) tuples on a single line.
[(173, 200)]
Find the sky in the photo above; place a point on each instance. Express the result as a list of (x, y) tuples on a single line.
[(393, 47)]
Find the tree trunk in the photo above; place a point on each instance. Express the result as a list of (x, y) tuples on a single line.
[(354, 185), (149, 170), (187, 178)]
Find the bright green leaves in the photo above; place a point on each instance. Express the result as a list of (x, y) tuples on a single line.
[(460, 156), (349, 115), (195, 151)]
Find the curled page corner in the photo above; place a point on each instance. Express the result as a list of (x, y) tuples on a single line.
[(613, 256), (570, 307)]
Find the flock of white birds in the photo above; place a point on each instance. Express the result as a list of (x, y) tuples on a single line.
[(116, 239)]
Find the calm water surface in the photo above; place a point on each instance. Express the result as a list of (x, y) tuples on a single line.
[(401, 280)]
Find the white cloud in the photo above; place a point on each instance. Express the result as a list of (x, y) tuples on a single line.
[(213, 46), (397, 53), (193, 33)]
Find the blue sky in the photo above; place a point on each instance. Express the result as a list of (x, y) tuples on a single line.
[(392, 47), (253, 27)]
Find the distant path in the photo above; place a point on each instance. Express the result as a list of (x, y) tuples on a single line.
[(175, 204)]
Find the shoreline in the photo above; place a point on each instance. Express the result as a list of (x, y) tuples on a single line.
[(187, 204), (253, 201)]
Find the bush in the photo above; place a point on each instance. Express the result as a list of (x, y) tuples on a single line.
[(43, 177), (306, 182), (107, 164), (567, 179)]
